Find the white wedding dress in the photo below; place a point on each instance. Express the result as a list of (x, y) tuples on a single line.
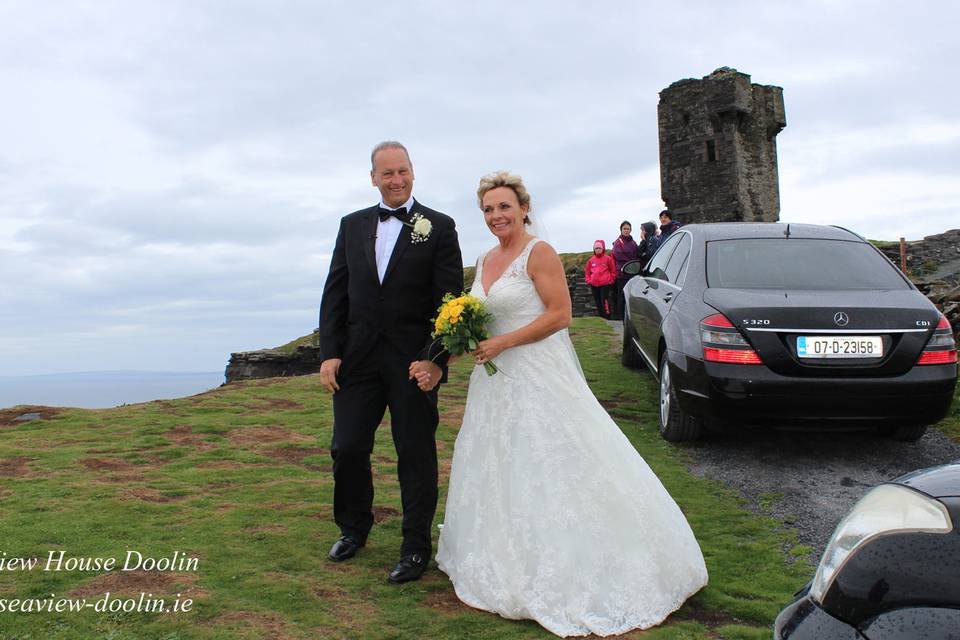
[(551, 513)]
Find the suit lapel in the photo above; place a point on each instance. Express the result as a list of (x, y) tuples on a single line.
[(368, 228)]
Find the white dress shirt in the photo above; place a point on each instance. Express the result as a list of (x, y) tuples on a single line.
[(387, 233)]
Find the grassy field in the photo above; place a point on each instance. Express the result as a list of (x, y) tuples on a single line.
[(239, 478)]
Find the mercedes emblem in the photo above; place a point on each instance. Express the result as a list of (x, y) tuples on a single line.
[(841, 319)]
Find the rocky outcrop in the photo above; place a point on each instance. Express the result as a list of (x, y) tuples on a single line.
[(302, 360)]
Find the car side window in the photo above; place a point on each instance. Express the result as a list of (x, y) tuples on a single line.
[(678, 259), (656, 268)]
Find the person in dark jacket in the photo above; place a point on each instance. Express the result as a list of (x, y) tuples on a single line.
[(625, 250), (667, 225), (649, 241)]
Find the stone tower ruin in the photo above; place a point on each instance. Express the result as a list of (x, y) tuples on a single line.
[(718, 148)]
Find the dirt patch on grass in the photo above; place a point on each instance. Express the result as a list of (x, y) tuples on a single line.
[(149, 495), (353, 613), (8, 417), (706, 617), (133, 583), (248, 437), (443, 470), (293, 455), (183, 435), (15, 467), (106, 464), (113, 469), (453, 416), (445, 601), (274, 404), (264, 625), (384, 513), (229, 464)]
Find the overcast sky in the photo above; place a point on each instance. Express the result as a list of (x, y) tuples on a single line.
[(172, 173)]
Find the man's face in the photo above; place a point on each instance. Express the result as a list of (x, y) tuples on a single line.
[(393, 175), (663, 219)]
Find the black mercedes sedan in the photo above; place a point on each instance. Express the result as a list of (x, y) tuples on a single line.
[(891, 571), (786, 324)]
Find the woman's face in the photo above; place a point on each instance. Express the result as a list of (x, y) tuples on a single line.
[(597, 251), (503, 213), (625, 230)]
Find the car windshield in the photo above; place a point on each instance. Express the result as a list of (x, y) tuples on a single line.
[(798, 263)]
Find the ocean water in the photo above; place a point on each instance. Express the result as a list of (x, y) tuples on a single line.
[(103, 389)]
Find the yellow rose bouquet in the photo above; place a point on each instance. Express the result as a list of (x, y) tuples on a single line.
[(461, 324)]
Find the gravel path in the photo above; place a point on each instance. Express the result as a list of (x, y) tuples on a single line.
[(809, 480)]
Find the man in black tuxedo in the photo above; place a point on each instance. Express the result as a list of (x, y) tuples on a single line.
[(391, 266)]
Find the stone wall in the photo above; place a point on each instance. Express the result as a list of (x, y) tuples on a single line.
[(934, 266), (581, 295), (718, 148)]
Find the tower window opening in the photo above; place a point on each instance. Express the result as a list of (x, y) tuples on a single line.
[(711, 151)]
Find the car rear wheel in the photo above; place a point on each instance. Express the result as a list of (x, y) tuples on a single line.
[(630, 357), (676, 425), (905, 432)]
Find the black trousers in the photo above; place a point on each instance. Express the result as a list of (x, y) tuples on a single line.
[(621, 301), (601, 295), (367, 388)]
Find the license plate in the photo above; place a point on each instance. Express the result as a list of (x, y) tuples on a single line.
[(839, 347)]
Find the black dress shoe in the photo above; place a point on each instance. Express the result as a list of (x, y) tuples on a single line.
[(344, 549), (409, 568)]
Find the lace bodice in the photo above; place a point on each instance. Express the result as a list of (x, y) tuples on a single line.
[(512, 299)]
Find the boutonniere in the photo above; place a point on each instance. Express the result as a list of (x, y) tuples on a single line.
[(421, 228)]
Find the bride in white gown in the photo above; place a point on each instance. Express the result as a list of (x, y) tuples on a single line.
[(551, 513)]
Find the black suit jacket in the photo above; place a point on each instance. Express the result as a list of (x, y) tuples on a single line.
[(357, 311)]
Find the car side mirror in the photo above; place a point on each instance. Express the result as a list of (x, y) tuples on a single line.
[(632, 268)]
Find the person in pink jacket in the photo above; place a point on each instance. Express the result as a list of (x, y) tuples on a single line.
[(601, 273)]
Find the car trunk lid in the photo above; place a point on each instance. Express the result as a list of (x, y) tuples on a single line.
[(780, 324)]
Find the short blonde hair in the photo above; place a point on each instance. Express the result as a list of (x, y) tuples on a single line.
[(506, 179)]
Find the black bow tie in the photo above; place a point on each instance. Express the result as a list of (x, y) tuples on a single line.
[(400, 214)]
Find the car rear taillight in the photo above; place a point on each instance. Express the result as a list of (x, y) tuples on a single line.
[(941, 348), (723, 343)]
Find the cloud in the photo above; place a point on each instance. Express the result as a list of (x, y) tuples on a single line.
[(172, 174)]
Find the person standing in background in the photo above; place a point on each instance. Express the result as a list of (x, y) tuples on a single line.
[(600, 273), (667, 225), (649, 241), (624, 250)]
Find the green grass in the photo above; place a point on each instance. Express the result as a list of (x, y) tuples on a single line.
[(308, 340), (950, 425), (239, 477)]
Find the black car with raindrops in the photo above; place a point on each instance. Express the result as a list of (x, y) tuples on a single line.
[(797, 325), (891, 570)]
